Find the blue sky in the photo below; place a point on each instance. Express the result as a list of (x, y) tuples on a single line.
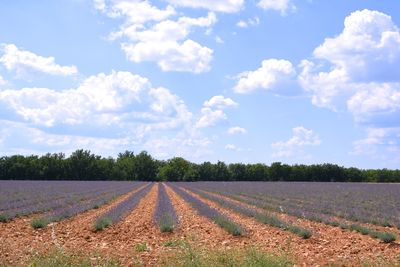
[(233, 80)]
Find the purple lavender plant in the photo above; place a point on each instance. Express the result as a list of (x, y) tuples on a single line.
[(164, 215)]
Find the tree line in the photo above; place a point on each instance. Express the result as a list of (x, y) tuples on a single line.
[(84, 165)]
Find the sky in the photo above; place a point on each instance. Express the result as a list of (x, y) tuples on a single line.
[(293, 81)]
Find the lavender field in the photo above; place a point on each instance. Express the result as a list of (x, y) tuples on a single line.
[(377, 204), (57, 199)]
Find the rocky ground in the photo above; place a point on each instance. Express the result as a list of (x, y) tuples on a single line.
[(137, 239)]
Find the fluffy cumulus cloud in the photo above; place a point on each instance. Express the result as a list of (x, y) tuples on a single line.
[(19, 60), (98, 99), (106, 113), (377, 104), (135, 12), (363, 76), (237, 130), (210, 117), (282, 6), (21, 138), (220, 102), (301, 138), (120, 101), (366, 52), (229, 6), (212, 111), (156, 35), (271, 74)]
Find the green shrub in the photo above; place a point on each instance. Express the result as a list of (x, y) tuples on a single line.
[(102, 223), (360, 229), (303, 233), (166, 223), (4, 218), (39, 223), (384, 236), (229, 226), (333, 223), (141, 247)]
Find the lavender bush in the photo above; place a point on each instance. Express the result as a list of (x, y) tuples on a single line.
[(164, 215)]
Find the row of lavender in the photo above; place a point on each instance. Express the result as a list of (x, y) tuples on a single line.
[(263, 217), (165, 216), (308, 200), (57, 199), (371, 203)]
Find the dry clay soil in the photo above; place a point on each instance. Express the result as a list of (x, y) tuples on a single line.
[(19, 241)]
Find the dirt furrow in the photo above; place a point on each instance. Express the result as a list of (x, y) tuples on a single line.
[(201, 230), (327, 245)]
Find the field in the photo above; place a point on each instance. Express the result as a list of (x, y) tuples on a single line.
[(199, 224)]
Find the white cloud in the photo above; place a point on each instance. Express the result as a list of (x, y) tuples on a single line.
[(380, 143), (100, 5), (232, 148), (376, 104), (210, 117), (363, 77), (237, 130), (153, 36), (135, 12), (106, 114), (189, 145), (282, 6), (212, 111), (18, 137), (21, 60), (120, 100), (229, 6), (272, 73), (328, 89), (364, 69), (242, 24), (219, 40), (367, 50), (250, 22), (220, 102), (301, 138), (188, 56)]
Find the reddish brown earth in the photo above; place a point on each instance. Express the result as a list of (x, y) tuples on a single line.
[(19, 242), (327, 245)]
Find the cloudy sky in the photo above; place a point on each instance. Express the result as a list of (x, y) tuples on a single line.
[(296, 81)]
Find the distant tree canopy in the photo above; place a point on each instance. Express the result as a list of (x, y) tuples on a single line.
[(83, 165)]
